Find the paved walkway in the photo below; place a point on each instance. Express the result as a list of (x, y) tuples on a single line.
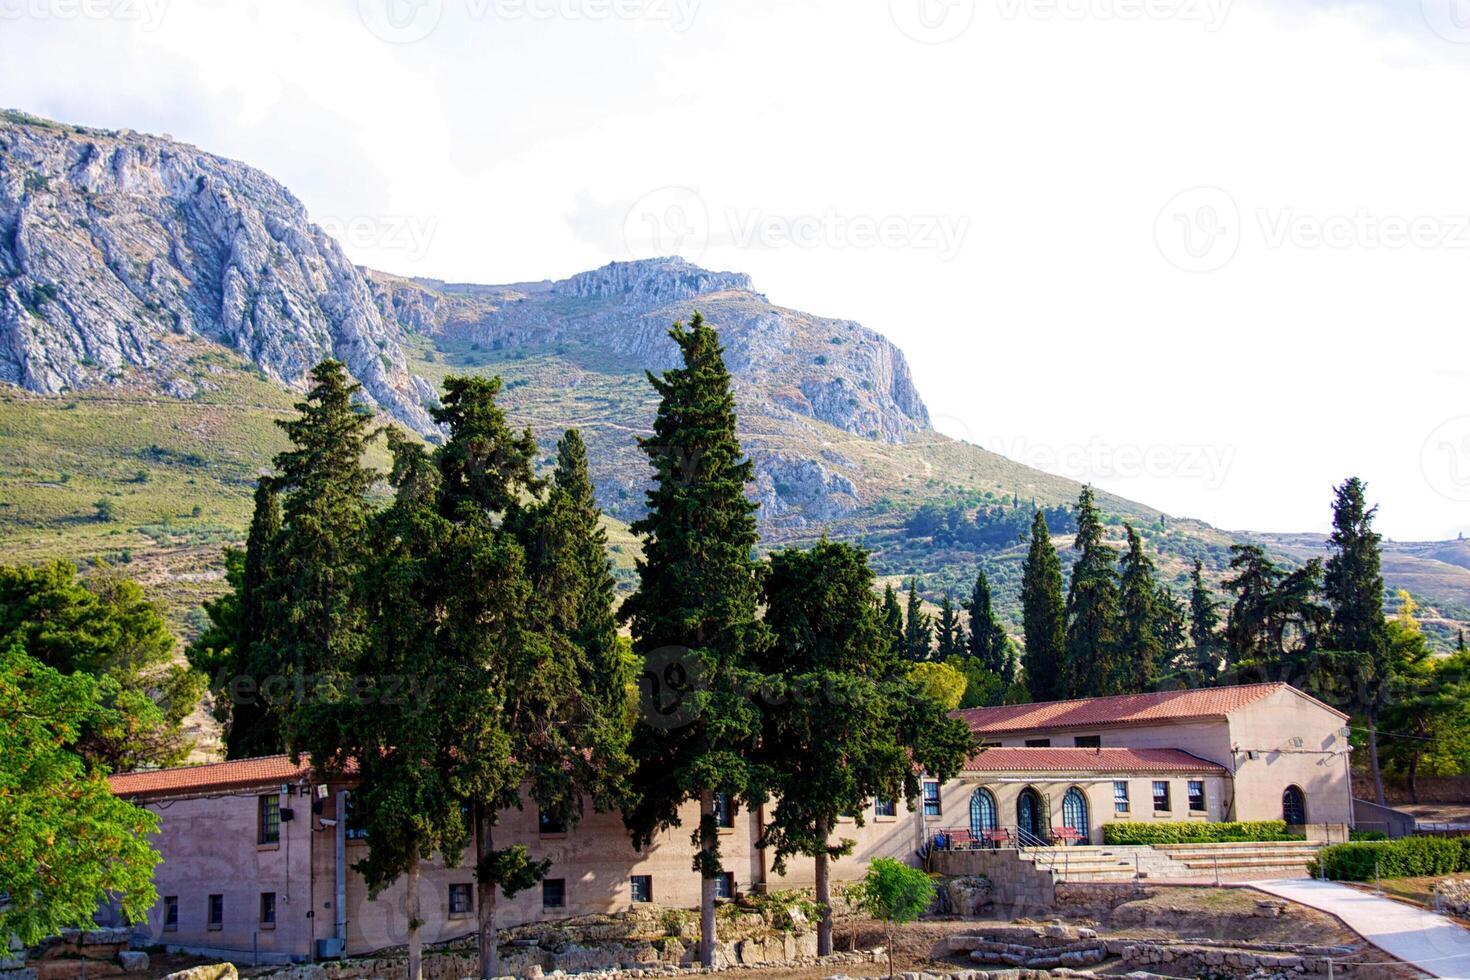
[(1429, 941)]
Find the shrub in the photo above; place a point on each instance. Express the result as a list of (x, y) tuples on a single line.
[(1411, 857), (1194, 832), (1366, 835)]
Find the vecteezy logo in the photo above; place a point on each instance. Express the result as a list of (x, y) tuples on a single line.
[(932, 21), (1199, 229), (668, 221), (1450, 19), (669, 688), (400, 21), (1445, 459)]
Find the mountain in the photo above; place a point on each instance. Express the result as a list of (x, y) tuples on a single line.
[(160, 307), (119, 253)]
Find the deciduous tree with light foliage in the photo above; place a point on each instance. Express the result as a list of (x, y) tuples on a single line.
[(894, 893)]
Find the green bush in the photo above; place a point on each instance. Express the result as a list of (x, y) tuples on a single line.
[(1192, 832), (1366, 835), (1411, 857)]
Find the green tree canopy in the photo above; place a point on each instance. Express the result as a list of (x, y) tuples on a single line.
[(1091, 664), (918, 629), (844, 722), (1141, 653), (105, 627), (693, 617), (69, 843), (1043, 615)]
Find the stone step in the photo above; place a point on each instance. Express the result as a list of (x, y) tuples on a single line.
[(1239, 845)]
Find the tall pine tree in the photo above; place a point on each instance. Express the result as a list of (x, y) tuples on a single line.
[(1043, 615), (918, 630), (988, 643), (1091, 664), (1204, 625), (949, 632), (849, 724), (1140, 639), (893, 620), (1353, 586), (694, 613)]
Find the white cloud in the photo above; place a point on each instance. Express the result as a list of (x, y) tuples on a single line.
[(506, 145)]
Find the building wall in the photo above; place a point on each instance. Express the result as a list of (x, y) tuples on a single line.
[(208, 846), (1318, 765), (1209, 740)]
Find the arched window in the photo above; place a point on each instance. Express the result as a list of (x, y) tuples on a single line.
[(1074, 812), (1294, 806), (982, 812)]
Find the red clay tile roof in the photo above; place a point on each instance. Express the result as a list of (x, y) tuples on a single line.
[(213, 777), (1125, 709), (1088, 760)]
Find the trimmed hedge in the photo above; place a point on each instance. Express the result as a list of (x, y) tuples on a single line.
[(1362, 835), (1411, 857), (1194, 832)]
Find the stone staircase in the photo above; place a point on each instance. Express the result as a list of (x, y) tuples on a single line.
[(1164, 862)]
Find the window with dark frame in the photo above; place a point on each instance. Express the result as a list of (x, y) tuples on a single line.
[(932, 805), (1161, 796), (1087, 741), (267, 908), (642, 888), (216, 911), (1197, 795), (1120, 796), (461, 900), (724, 810), (1038, 743), (725, 886), (550, 823), (554, 893), (885, 808), (171, 913), (269, 822)]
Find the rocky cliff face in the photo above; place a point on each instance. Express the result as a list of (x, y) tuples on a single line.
[(117, 250), (784, 361)]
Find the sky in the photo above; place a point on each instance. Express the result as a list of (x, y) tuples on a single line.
[(1208, 254)]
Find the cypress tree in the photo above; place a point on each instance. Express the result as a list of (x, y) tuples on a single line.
[(893, 620), (312, 620), (251, 731), (1204, 622), (918, 633), (950, 633), (1353, 586), (988, 641), (1043, 615), (1090, 665), (1140, 640), (694, 613), (849, 724)]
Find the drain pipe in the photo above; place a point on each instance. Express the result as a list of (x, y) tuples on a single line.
[(339, 900)]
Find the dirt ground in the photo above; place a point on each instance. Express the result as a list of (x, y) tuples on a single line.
[(1166, 913)]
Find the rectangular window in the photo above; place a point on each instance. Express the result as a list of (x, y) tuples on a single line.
[(1120, 796), (885, 808), (269, 821), (550, 823), (460, 901), (171, 913), (1038, 743), (725, 886), (932, 806), (724, 810), (267, 908), (554, 893), (642, 888), (216, 911), (1197, 795), (355, 830), (1088, 741), (1161, 796)]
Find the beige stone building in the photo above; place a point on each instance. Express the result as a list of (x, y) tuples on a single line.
[(257, 856)]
